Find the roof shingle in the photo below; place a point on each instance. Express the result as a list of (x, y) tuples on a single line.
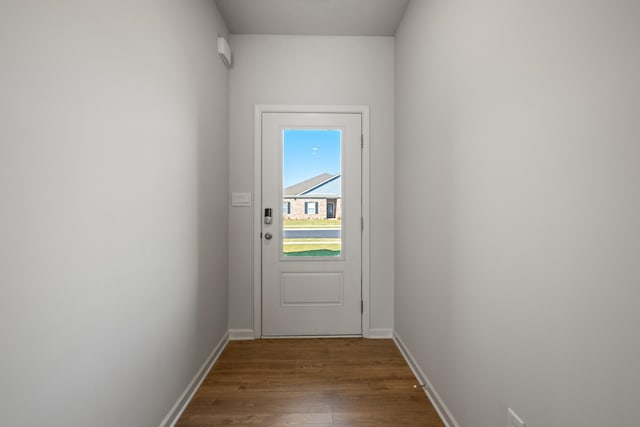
[(306, 185)]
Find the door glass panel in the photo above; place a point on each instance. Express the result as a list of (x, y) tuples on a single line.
[(312, 193)]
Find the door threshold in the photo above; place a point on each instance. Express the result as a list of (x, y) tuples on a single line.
[(268, 337)]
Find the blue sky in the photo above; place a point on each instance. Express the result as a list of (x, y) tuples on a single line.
[(308, 153)]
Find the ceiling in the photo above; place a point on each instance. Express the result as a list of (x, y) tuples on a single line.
[(313, 17)]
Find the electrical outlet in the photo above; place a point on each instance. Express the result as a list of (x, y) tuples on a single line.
[(514, 420)]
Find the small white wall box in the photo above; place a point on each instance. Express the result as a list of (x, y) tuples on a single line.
[(240, 199), (224, 50)]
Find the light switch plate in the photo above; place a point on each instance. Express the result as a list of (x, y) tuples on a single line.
[(240, 199)]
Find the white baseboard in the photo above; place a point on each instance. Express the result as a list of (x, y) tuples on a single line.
[(241, 334), (186, 396), (432, 394), (380, 333)]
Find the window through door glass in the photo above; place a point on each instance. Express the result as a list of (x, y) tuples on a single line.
[(312, 193)]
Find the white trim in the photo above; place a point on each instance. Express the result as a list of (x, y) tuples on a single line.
[(181, 404), (432, 394), (241, 334), (380, 333), (365, 215), (300, 337), (257, 188), (257, 225)]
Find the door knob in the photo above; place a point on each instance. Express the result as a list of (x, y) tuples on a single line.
[(268, 236)]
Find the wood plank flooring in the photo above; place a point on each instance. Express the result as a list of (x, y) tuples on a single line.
[(334, 382)]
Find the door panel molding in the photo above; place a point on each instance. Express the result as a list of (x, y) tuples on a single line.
[(259, 110)]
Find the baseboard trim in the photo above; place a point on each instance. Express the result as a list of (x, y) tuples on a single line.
[(380, 333), (241, 334), (432, 394), (186, 396)]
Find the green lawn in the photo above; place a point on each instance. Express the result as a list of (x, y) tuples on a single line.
[(298, 248), (312, 250), (311, 240), (324, 247), (312, 223)]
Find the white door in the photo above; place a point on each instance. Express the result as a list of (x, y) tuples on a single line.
[(311, 228)]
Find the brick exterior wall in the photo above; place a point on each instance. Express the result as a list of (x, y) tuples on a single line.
[(297, 209)]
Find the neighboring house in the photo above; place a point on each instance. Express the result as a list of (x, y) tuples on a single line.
[(315, 198)]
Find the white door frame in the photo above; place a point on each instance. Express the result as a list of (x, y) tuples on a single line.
[(257, 212)]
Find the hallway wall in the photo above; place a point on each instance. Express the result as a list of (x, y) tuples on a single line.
[(517, 206), (113, 215), (322, 71)]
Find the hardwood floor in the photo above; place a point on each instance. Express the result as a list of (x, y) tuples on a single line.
[(310, 382)]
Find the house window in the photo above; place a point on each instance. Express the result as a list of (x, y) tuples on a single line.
[(286, 208), (311, 208)]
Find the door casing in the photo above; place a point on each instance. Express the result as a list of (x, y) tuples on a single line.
[(257, 214)]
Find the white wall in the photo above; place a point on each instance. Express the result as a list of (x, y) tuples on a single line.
[(322, 71), (517, 233), (113, 213)]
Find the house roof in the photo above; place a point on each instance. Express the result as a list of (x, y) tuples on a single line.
[(309, 185)]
